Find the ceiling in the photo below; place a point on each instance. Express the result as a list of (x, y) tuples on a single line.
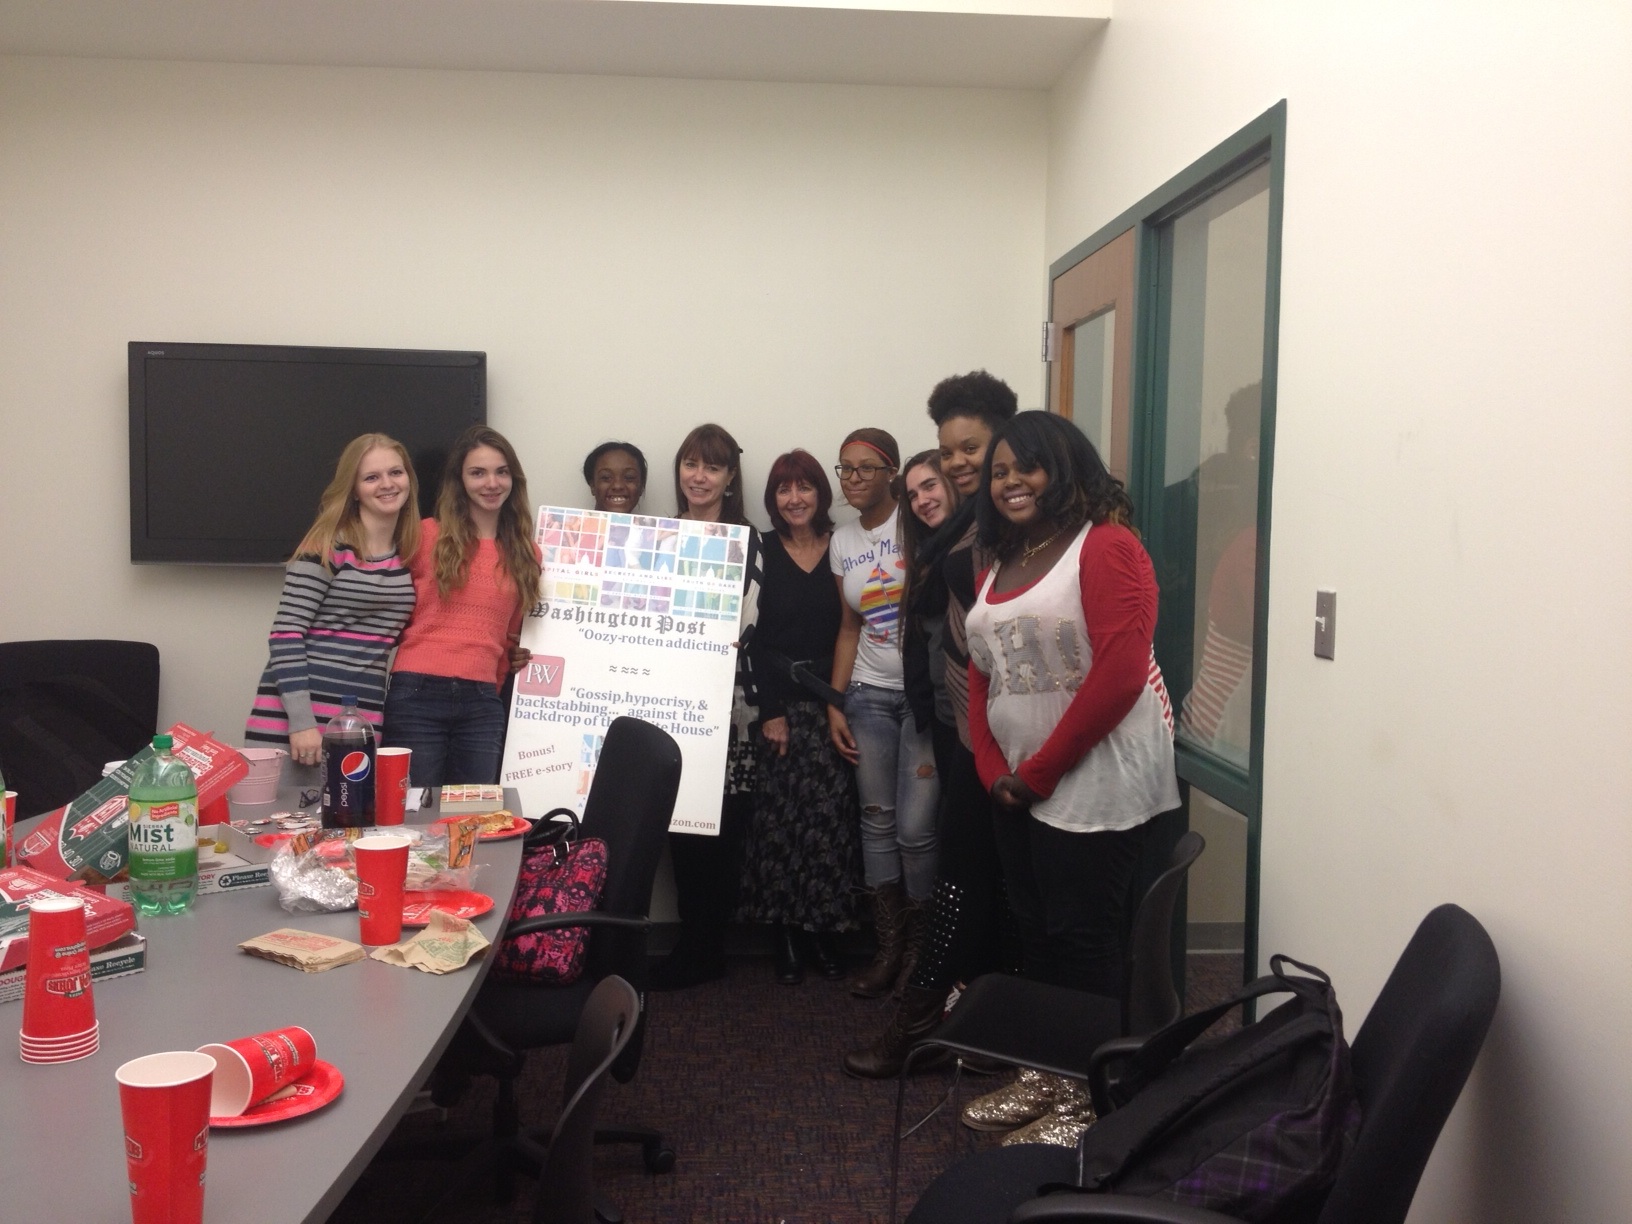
[(1008, 44)]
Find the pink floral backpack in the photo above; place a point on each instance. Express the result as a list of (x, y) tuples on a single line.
[(561, 873)]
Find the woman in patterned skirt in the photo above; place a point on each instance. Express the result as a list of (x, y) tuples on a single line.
[(803, 854), (347, 594)]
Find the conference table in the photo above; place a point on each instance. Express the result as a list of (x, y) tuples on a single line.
[(61, 1140)]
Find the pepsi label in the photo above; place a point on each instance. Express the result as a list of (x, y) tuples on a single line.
[(348, 783)]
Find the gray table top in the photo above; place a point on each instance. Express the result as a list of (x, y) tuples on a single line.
[(383, 1027)]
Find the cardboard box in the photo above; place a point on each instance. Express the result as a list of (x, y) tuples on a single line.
[(121, 958), (217, 873), (106, 918), (87, 840)]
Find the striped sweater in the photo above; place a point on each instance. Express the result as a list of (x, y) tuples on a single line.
[(332, 635)]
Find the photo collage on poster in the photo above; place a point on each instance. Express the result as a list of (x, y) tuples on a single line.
[(636, 563)]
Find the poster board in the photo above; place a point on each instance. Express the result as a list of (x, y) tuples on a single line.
[(637, 615)]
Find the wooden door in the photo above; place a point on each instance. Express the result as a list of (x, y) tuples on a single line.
[(1090, 382)]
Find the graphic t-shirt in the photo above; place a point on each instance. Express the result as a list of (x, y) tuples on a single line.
[(870, 564)]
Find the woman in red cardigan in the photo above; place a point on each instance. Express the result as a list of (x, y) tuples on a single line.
[(1072, 728)]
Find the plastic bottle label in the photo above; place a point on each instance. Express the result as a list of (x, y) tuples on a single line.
[(164, 839)]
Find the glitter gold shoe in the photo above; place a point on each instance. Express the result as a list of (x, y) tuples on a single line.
[(1029, 1097), (1071, 1113)]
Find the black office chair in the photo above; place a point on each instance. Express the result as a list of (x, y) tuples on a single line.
[(1054, 1029), (630, 802), (67, 708), (1410, 1059)]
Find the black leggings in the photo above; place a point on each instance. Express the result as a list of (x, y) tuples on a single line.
[(1069, 894), (965, 912)]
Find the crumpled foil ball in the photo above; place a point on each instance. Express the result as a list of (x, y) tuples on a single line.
[(305, 886)]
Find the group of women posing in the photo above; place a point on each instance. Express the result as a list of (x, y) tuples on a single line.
[(952, 696)]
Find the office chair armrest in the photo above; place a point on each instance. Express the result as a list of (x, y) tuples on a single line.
[(588, 918), (1112, 1209), (1100, 1063)]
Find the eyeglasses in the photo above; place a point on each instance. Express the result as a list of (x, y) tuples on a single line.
[(863, 471)]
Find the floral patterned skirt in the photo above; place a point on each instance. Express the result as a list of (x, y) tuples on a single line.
[(802, 856)]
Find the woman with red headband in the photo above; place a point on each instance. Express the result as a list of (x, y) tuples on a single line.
[(876, 732)]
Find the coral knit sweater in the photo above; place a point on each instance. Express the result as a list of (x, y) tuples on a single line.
[(467, 634)]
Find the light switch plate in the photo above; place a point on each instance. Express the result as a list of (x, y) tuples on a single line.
[(1325, 624)]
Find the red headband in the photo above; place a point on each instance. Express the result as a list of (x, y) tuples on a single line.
[(882, 454)]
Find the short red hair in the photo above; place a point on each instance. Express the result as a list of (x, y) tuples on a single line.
[(792, 468)]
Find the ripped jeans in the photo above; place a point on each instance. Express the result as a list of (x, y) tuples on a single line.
[(898, 788)]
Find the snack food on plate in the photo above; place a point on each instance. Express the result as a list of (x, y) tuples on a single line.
[(314, 871)]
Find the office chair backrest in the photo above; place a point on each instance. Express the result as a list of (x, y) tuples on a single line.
[(566, 1188), (68, 707), (1152, 999), (1411, 1057), (630, 802)]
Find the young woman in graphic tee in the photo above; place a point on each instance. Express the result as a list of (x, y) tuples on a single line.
[(475, 573), (1072, 729), (876, 732)]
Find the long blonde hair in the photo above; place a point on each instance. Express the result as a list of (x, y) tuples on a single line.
[(456, 533), (338, 520)]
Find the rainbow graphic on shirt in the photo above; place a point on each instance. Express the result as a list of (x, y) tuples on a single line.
[(881, 604)]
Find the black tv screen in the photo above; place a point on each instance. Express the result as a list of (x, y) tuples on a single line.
[(231, 445)]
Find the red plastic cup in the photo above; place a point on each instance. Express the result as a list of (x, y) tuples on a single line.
[(165, 1101), (10, 820), (57, 1001), (391, 784), (249, 1070), (382, 868)]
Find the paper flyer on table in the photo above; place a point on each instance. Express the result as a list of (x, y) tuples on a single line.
[(637, 615)]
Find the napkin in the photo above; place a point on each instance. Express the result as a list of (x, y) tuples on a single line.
[(304, 950), (446, 944)]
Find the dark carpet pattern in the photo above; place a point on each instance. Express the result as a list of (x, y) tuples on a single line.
[(743, 1078)]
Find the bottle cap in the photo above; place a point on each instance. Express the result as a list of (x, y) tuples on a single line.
[(348, 699), (163, 742)]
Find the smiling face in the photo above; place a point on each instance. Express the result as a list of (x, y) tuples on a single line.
[(616, 482), (867, 487), (926, 495), (704, 485), (964, 440), (487, 479), (796, 502), (1015, 492), (382, 483)]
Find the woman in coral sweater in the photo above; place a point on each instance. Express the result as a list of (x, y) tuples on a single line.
[(476, 572)]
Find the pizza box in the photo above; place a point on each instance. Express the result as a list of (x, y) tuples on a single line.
[(121, 958), (106, 918)]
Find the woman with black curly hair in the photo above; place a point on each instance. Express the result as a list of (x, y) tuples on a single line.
[(1071, 723)]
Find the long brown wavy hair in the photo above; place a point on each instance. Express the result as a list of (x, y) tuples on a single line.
[(456, 533), (338, 520), (910, 534)]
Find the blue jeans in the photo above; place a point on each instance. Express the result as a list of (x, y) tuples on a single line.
[(898, 789), (455, 728)]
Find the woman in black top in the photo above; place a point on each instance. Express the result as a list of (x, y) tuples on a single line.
[(802, 857)]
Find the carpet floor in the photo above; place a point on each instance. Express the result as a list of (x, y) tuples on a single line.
[(743, 1077)]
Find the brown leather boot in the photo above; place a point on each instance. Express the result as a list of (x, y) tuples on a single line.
[(912, 1019), (889, 922), (915, 932)]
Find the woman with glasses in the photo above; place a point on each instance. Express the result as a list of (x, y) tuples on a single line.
[(895, 764)]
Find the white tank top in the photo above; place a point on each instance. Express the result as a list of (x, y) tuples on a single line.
[(1033, 649)]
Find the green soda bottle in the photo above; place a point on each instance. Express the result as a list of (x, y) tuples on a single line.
[(163, 833)]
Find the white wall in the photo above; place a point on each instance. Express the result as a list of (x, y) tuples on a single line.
[(635, 256), (1452, 454)]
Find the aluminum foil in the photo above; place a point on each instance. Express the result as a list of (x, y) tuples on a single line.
[(307, 886)]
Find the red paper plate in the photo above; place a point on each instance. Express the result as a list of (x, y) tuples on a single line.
[(298, 1099), (518, 826), (461, 903), (272, 840)]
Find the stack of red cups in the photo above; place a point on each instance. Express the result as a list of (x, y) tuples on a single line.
[(59, 1014)]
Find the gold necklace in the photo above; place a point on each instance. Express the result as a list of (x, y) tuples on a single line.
[(1026, 554)]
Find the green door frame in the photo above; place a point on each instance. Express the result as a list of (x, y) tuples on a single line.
[(1259, 142)]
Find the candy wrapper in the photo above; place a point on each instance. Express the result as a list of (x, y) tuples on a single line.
[(314, 871)]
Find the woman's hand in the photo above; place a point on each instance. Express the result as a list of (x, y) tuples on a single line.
[(775, 731), (838, 730), (520, 656), (306, 747), (1010, 792)]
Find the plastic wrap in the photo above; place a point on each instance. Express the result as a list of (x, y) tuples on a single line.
[(314, 872)]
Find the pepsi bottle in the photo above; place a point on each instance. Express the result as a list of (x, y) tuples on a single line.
[(348, 769)]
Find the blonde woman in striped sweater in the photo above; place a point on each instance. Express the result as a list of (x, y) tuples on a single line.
[(347, 594)]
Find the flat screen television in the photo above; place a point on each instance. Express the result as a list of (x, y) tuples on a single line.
[(231, 445)]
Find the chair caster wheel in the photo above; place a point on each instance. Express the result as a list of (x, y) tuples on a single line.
[(658, 1159)]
